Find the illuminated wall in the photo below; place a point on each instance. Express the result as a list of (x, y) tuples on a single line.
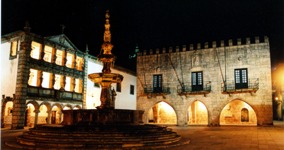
[(235, 113), (9, 69), (197, 114), (162, 113)]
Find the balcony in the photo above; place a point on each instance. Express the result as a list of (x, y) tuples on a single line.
[(230, 87), (150, 91), (188, 89), (52, 94)]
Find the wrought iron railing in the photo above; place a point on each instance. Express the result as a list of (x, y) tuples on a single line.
[(148, 89), (251, 86), (187, 88)]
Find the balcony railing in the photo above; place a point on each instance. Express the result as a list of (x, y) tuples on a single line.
[(39, 92), (188, 89), (148, 89), (251, 87)]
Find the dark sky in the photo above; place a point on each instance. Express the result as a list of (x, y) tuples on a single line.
[(149, 23)]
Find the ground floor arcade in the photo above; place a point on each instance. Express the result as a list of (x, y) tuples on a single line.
[(37, 112), (235, 112)]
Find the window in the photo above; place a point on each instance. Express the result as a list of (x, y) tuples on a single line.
[(241, 80), (79, 63), (78, 85), (157, 83), (70, 60), (46, 80), (13, 50), (97, 85), (69, 86), (34, 77), (48, 53), (197, 81), (58, 84), (118, 87), (36, 50), (60, 56), (132, 89)]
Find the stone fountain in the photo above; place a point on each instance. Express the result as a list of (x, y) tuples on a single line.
[(101, 128)]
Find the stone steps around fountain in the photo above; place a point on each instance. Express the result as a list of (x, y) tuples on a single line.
[(121, 138), (109, 138)]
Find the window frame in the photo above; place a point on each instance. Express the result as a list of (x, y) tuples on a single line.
[(132, 89), (197, 81), (241, 78), (157, 83)]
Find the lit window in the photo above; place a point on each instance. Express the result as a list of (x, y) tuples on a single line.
[(70, 60), (48, 54), (132, 89), (60, 56), (78, 85), (14, 47), (79, 63), (34, 77), (36, 50), (58, 82), (69, 86), (46, 80)]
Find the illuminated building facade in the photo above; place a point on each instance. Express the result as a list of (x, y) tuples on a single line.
[(40, 76), (217, 84)]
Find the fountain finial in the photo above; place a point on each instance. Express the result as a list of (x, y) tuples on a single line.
[(107, 46)]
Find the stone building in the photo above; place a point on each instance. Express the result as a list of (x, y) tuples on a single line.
[(224, 83), (40, 76)]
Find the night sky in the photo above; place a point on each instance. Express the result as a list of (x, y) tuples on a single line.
[(149, 24)]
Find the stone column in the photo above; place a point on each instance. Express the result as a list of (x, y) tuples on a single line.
[(48, 116), (60, 116), (19, 107), (85, 79), (36, 117)]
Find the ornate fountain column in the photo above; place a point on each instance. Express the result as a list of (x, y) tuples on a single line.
[(106, 78)]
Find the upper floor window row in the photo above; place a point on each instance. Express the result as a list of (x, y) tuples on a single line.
[(38, 78), (57, 56)]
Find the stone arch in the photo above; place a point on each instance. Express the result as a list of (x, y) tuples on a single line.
[(56, 113), (231, 113), (31, 113), (161, 113), (197, 113), (34, 103), (67, 107), (77, 107), (48, 105), (44, 113), (6, 110)]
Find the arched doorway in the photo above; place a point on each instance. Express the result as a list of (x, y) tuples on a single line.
[(43, 114), (197, 114), (30, 115), (162, 113), (56, 114), (238, 112), (8, 111)]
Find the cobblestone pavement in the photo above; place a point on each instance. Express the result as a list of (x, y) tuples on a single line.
[(208, 138)]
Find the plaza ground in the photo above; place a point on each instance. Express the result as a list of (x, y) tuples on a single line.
[(209, 138)]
